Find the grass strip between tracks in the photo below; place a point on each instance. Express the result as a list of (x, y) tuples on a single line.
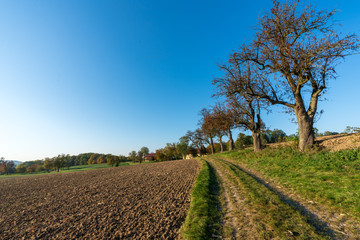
[(329, 178), (274, 218), (202, 221)]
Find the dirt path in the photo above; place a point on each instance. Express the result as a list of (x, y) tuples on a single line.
[(334, 224), (253, 210)]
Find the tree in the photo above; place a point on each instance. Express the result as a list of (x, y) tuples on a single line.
[(6, 167), (224, 121), (145, 151), (132, 155), (48, 164), (275, 135), (297, 48), (245, 108), (243, 141), (170, 151), (197, 139), (139, 157), (113, 160), (208, 127), (182, 147), (160, 155)]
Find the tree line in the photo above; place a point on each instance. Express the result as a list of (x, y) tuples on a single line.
[(65, 161), (289, 62)]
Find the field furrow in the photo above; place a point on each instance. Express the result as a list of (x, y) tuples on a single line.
[(133, 202)]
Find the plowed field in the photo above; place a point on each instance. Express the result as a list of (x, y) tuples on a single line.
[(133, 202)]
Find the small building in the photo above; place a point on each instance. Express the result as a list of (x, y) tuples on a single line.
[(150, 157)]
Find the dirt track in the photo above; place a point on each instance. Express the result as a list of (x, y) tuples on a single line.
[(133, 202)]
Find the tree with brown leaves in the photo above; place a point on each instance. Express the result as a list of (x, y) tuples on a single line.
[(224, 121)]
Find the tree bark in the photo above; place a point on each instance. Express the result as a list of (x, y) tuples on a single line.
[(306, 131), (256, 141), (231, 141), (212, 145), (221, 145)]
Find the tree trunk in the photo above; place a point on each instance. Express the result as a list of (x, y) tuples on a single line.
[(306, 131), (257, 141), (212, 145), (221, 145), (231, 141)]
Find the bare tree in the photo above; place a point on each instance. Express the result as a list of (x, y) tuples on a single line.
[(197, 139), (245, 108), (208, 127), (224, 121), (298, 49)]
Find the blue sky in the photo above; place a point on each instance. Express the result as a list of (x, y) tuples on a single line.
[(113, 76)]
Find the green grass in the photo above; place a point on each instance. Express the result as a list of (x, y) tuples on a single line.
[(329, 178), (72, 169), (274, 218), (202, 221)]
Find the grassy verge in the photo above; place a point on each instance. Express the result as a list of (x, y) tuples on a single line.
[(71, 169), (329, 178), (273, 218), (202, 221)]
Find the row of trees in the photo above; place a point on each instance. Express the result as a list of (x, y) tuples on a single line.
[(289, 62), (63, 161), (140, 155)]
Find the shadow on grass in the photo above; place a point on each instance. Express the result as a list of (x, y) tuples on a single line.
[(320, 226)]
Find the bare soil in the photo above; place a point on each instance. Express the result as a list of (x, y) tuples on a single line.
[(339, 142), (132, 202), (332, 143)]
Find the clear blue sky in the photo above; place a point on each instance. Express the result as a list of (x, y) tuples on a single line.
[(113, 76)]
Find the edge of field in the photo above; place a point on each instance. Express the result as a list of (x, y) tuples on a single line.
[(78, 168), (203, 217), (321, 185)]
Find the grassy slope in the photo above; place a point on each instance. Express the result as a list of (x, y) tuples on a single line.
[(328, 178), (271, 216)]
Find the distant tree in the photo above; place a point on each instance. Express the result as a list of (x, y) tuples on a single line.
[(20, 168), (224, 121), (296, 48), (275, 135), (243, 141), (6, 167), (112, 160), (59, 162), (160, 155), (328, 133), (182, 147), (208, 127), (140, 156), (93, 158), (144, 151), (349, 130), (48, 164), (132, 156), (170, 151), (101, 159), (198, 140)]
